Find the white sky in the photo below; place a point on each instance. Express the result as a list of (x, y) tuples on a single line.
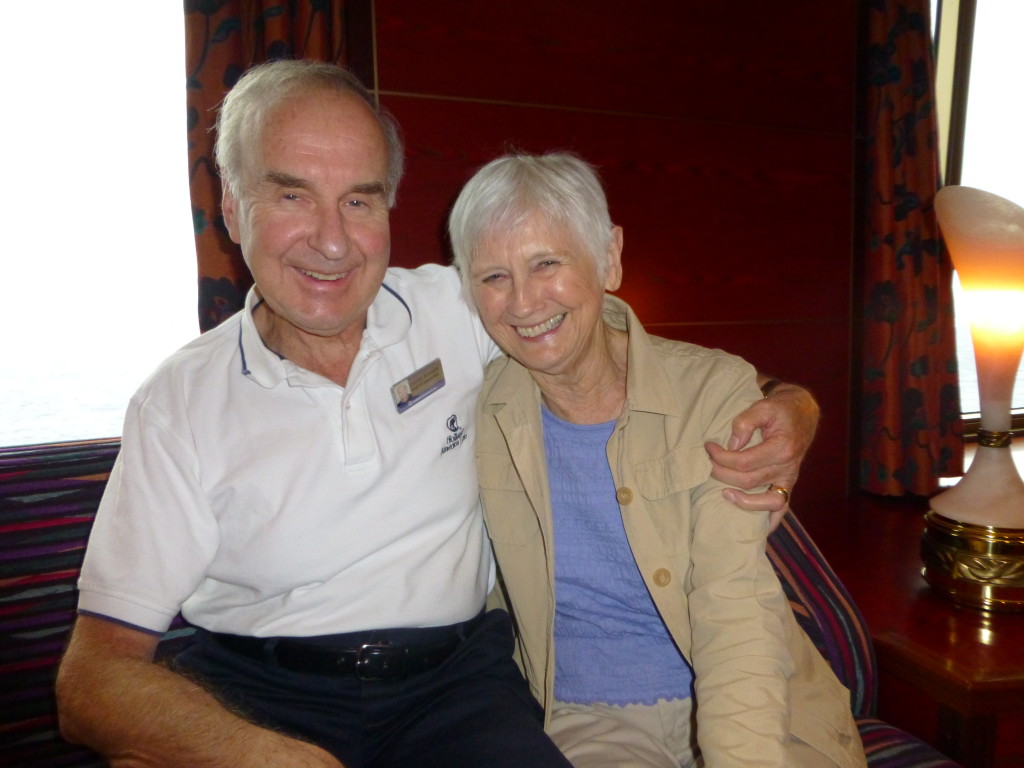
[(994, 134), (99, 279)]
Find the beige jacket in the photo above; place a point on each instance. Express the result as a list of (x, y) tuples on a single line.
[(758, 678)]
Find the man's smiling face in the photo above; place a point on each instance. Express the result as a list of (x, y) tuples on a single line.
[(313, 216)]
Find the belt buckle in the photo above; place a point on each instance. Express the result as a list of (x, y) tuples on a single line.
[(379, 661)]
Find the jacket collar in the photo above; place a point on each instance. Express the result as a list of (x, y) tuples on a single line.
[(656, 394)]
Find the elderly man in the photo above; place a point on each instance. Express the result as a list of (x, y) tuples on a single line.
[(299, 483)]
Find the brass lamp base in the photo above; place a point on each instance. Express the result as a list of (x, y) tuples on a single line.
[(976, 566)]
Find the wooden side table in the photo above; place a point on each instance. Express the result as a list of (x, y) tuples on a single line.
[(969, 662)]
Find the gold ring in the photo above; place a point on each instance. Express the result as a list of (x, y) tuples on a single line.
[(783, 491)]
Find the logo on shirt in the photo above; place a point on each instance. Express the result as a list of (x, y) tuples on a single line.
[(457, 437)]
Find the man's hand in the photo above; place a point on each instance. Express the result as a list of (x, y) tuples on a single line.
[(787, 418)]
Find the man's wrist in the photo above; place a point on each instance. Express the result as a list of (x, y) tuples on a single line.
[(768, 386)]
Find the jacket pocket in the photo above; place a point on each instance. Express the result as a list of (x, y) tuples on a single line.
[(679, 471), (666, 485)]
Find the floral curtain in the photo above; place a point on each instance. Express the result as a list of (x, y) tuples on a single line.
[(910, 426), (222, 39)]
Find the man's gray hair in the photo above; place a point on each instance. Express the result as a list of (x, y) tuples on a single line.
[(503, 194), (265, 87)]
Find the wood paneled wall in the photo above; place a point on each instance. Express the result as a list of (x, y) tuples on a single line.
[(724, 132)]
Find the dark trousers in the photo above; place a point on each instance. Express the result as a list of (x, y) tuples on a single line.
[(473, 710)]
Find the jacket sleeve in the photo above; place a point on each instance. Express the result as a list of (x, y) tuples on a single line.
[(737, 607)]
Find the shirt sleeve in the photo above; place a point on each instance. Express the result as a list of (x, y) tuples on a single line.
[(489, 351), (154, 535)]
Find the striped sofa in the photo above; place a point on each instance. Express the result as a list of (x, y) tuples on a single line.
[(828, 615), (48, 497)]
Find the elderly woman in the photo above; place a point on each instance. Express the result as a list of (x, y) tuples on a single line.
[(637, 588)]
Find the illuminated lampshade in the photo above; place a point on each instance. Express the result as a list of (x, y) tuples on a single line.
[(973, 545)]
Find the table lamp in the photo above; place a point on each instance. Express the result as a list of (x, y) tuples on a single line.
[(973, 543)]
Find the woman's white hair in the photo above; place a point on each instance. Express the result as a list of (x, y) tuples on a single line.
[(509, 190), (264, 88)]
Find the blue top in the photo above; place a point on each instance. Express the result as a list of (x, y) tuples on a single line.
[(611, 645)]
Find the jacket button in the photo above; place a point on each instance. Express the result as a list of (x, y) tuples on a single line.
[(624, 496), (662, 577)]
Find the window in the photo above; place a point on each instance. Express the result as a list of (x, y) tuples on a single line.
[(981, 118), (99, 273)]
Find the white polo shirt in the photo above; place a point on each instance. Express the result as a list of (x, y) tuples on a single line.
[(262, 499)]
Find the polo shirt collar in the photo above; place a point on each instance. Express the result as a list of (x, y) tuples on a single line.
[(388, 321), (389, 318)]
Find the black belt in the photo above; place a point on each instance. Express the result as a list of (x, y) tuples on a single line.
[(367, 661)]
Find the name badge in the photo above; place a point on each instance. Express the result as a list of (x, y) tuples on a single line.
[(417, 385)]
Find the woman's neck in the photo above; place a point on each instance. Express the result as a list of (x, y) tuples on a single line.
[(595, 390)]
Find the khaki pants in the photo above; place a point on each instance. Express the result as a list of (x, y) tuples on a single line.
[(662, 735)]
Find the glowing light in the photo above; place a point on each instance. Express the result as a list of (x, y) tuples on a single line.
[(995, 311)]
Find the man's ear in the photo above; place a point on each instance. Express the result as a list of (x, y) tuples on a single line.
[(613, 272), (230, 206)]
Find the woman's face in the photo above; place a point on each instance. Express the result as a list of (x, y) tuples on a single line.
[(539, 294)]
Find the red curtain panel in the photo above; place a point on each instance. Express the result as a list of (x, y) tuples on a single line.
[(911, 430)]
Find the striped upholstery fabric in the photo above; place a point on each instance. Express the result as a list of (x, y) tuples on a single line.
[(889, 747), (48, 498), (827, 613)]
